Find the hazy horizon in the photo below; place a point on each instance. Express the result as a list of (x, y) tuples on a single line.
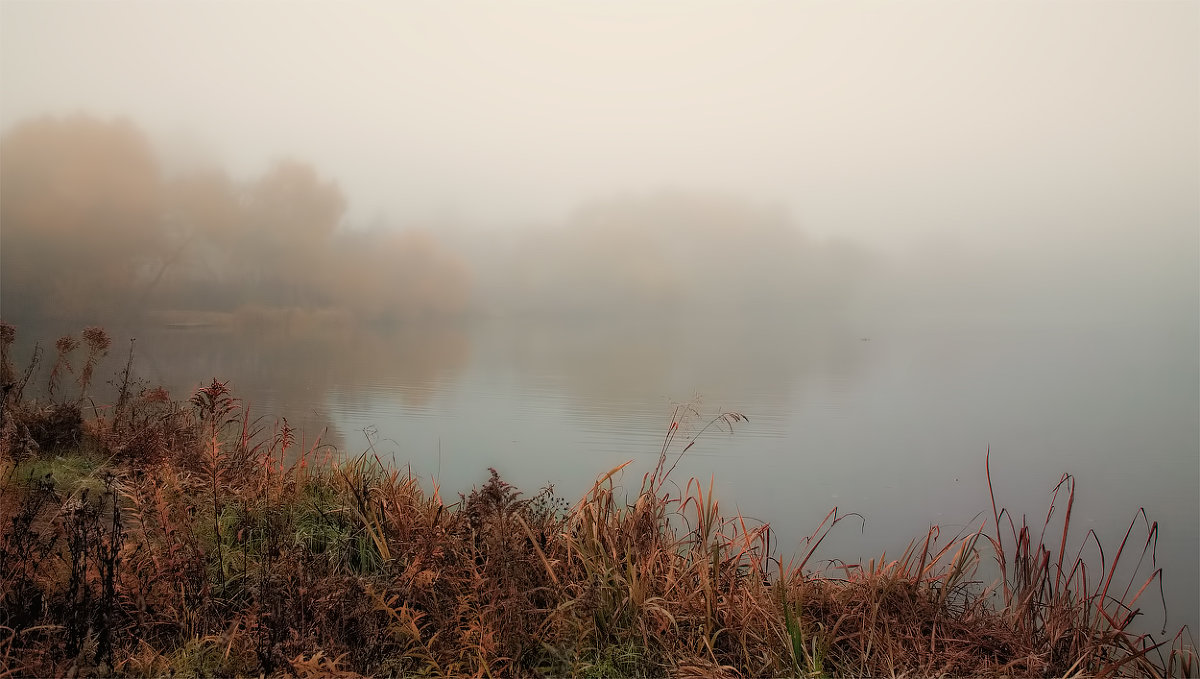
[(984, 125)]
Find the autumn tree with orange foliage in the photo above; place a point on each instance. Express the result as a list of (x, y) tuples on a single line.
[(81, 215), (91, 226)]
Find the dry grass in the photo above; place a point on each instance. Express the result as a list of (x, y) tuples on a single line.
[(199, 542)]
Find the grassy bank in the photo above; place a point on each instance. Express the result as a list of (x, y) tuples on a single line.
[(150, 536)]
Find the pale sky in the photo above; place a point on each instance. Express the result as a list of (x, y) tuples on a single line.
[(993, 122)]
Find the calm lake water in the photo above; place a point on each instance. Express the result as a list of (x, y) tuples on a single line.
[(887, 418)]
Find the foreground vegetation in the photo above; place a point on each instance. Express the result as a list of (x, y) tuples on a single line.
[(151, 537)]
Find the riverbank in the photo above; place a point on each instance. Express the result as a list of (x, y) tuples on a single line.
[(152, 536)]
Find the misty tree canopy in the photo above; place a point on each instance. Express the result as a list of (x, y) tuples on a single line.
[(92, 224), (80, 214), (674, 252)]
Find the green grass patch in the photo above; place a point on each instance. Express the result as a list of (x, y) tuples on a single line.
[(69, 472)]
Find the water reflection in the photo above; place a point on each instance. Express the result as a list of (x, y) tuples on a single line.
[(887, 419), (614, 379), (729, 358), (280, 371)]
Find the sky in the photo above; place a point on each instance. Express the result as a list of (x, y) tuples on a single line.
[(989, 124)]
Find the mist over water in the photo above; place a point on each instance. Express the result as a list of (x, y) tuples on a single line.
[(520, 236)]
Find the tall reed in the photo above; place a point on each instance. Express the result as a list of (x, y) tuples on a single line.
[(198, 541)]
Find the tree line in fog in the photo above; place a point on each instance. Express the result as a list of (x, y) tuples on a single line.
[(92, 223), (95, 223)]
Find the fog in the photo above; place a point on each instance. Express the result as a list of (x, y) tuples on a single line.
[(894, 235), (1001, 149)]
